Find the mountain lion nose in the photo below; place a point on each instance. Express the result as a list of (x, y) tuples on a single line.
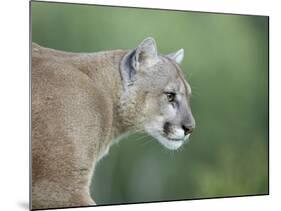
[(187, 130)]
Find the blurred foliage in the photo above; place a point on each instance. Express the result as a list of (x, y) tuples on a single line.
[(226, 63)]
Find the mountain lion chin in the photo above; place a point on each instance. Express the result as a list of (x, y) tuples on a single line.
[(171, 144)]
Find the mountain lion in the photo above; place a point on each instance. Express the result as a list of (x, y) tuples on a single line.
[(81, 102)]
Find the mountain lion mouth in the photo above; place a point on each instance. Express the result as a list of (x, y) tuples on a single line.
[(173, 143), (169, 143), (175, 139), (185, 138)]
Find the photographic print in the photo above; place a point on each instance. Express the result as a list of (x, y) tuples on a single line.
[(135, 105)]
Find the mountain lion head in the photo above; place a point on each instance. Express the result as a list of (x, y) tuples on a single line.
[(156, 94)]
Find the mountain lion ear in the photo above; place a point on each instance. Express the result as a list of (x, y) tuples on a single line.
[(177, 56), (144, 55)]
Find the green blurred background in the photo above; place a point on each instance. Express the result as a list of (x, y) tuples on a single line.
[(226, 63)]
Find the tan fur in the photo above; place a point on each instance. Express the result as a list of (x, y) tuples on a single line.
[(78, 108)]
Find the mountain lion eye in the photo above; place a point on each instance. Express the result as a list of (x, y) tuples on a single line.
[(171, 96)]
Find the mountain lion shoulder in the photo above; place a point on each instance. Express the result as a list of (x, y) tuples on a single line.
[(81, 102)]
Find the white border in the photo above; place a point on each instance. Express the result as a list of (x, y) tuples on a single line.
[(14, 91)]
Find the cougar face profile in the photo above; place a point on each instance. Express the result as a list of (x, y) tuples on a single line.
[(82, 102)]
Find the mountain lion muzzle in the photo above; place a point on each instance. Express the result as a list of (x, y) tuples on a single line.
[(81, 102)]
